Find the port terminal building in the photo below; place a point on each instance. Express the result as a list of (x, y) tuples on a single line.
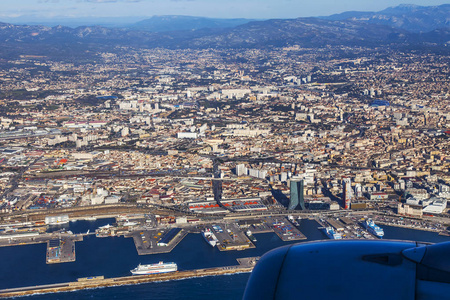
[(166, 239), (226, 205)]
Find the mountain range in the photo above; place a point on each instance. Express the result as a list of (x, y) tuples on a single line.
[(412, 18), (405, 24), (175, 23)]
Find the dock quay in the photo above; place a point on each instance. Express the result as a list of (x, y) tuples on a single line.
[(230, 237), (285, 230), (61, 250), (248, 261), (99, 281), (407, 226), (257, 225), (445, 233), (347, 227), (336, 224), (157, 240), (60, 246)]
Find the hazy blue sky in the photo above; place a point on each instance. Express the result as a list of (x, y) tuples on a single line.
[(209, 8)]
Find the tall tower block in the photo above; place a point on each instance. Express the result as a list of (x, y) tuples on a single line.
[(347, 192), (297, 199)]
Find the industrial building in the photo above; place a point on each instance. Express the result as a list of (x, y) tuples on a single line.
[(165, 240)]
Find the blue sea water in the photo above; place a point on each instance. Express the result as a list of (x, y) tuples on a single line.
[(112, 257)]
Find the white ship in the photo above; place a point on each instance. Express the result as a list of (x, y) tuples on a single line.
[(107, 226), (157, 268), (128, 223), (210, 237), (374, 229), (329, 231), (250, 236), (57, 220)]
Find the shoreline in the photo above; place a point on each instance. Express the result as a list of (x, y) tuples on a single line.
[(408, 227), (120, 281)]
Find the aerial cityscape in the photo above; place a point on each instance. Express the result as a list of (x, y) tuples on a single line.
[(190, 152)]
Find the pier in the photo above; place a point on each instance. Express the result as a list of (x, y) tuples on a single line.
[(349, 228), (152, 241), (248, 261), (61, 250), (230, 237), (99, 281), (60, 246), (285, 230)]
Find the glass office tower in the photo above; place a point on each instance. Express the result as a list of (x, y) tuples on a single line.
[(297, 200)]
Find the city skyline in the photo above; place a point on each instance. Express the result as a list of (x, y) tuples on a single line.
[(183, 149), (54, 9)]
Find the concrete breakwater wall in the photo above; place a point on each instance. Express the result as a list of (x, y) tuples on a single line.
[(99, 281)]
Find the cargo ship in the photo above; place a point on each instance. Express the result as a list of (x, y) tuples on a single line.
[(372, 228), (210, 237), (331, 234), (157, 268), (251, 236)]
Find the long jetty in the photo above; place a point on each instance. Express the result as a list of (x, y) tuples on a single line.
[(99, 281)]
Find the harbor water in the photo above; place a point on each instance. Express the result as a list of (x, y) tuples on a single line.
[(116, 256)]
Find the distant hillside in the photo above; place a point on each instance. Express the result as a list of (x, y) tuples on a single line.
[(408, 17), (175, 23), (73, 22), (306, 32)]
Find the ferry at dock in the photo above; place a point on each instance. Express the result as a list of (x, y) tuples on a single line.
[(251, 236), (331, 234), (372, 228), (157, 268), (210, 237)]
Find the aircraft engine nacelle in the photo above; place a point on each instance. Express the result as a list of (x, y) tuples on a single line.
[(345, 270)]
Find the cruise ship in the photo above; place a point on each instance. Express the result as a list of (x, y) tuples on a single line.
[(210, 237), (329, 231), (157, 268), (374, 229)]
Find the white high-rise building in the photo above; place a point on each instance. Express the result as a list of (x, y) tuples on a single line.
[(241, 170), (347, 192)]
